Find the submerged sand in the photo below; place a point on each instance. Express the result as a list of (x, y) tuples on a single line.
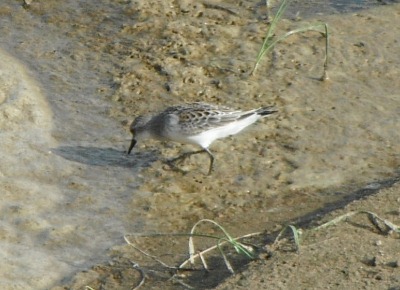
[(77, 79)]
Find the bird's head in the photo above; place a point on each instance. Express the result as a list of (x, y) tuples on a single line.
[(139, 130)]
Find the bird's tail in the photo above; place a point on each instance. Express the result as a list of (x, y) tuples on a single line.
[(264, 111)]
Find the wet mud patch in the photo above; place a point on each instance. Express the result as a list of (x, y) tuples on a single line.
[(343, 254)]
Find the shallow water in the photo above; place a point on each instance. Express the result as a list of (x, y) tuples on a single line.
[(74, 75)]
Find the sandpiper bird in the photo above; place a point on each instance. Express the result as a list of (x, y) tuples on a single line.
[(195, 123)]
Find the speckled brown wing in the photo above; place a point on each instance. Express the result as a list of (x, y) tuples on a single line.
[(196, 119)]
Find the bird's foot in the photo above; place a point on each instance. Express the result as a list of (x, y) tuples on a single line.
[(172, 164)]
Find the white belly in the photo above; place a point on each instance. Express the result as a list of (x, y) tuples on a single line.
[(205, 138)]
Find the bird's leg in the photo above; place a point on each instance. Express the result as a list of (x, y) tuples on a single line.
[(183, 156), (211, 160)]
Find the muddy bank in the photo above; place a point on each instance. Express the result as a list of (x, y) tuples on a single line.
[(329, 138), (351, 254)]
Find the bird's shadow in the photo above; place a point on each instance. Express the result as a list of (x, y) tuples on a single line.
[(96, 156)]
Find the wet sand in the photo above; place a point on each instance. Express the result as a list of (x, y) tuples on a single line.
[(72, 193)]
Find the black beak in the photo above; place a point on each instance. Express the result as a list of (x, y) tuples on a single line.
[(133, 143)]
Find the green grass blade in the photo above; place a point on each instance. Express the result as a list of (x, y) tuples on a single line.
[(269, 41), (192, 234), (296, 235), (227, 263), (266, 47), (240, 248), (274, 23), (335, 221)]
